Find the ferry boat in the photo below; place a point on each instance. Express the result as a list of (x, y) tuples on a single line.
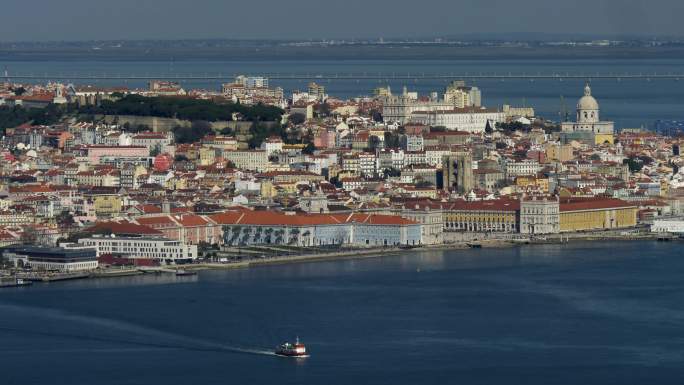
[(185, 273), (292, 350)]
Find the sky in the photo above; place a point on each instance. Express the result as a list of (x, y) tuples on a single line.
[(50, 20)]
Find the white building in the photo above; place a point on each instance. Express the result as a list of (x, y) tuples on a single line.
[(390, 159), (539, 215), (252, 81), (513, 168), (255, 160), (368, 230), (272, 145), (151, 140), (435, 154), (412, 142), (674, 226), (367, 163), (470, 119), (144, 247), (399, 108), (588, 117), (414, 157)]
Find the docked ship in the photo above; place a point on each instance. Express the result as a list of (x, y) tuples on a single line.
[(292, 350)]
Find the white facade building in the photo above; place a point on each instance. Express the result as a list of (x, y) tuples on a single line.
[(147, 248), (523, 167), (674, 226), (539, 215), (470, 119), (413, 142), (254, 160)]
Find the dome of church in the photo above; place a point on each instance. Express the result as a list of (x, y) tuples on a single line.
[(587, 102)]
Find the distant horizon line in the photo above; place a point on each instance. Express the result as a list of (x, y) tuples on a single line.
[(473, 37)]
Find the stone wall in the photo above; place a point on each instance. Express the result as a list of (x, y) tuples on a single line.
[(167, 124)]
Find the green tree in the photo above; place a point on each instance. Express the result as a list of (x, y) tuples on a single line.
[(373, 143), (296, 118), (392, 140), (391, 172), (156, 150), (309, 148), (64, 219), (323, 109), (197, 131), (635, 164)]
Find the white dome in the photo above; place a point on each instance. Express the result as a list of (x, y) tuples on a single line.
[(587, 102)]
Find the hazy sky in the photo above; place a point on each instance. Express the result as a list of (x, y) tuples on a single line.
[(142, 19)]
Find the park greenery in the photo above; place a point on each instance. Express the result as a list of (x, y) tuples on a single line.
[(164, 107), (15, 116), (183, 108)]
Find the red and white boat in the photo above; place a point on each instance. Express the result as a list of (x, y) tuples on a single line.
[(292, 350)]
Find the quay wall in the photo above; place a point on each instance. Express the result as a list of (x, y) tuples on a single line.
[(158, 124)]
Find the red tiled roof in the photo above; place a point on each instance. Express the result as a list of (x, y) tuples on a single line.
[(485, 205), (123, 228), (149, 209), (190, 220), (270, 218), (157, 222)]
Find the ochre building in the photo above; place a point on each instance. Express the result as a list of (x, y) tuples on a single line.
[(581, 214)]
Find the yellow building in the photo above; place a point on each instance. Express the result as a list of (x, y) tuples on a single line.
[(106, 206), (532, 182), (268, 190), (292, 176), (582, 214), (418, 192), (559, 152), (176, 183), (603, 138), (207, 156)]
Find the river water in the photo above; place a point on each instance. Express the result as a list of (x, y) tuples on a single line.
[(629, 102), (583, 313)]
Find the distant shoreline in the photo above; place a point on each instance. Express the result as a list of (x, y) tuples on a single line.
[(386, 252), (337, 53), (358, 254)]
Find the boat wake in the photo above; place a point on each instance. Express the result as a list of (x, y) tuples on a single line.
[(161, 339)]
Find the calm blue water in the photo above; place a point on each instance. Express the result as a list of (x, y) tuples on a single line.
[(594, 313), (630, 103)]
